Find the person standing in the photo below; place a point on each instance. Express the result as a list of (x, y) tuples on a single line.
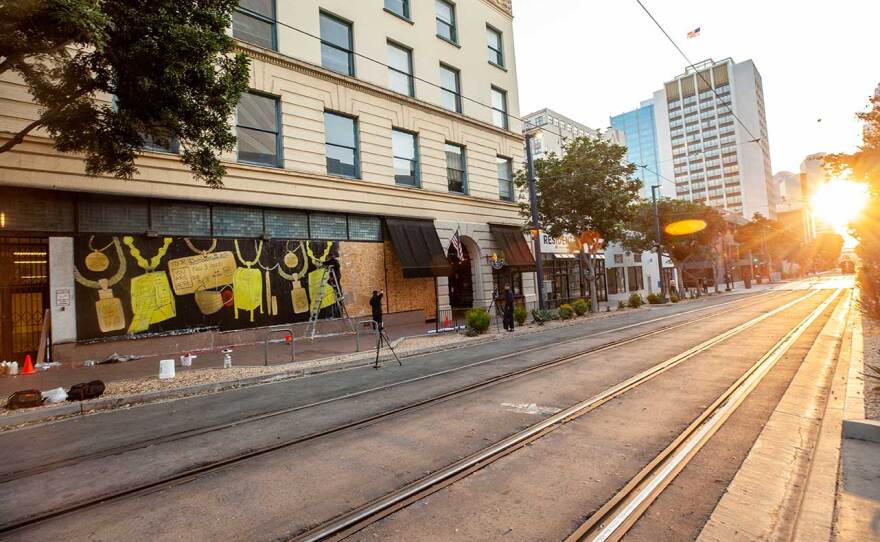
[(508, 307), (376, 305)]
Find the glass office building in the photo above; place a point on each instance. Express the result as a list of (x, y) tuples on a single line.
[(641, 142)]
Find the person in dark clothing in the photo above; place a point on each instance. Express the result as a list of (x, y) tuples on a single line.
[(508, 308), (376, 305)]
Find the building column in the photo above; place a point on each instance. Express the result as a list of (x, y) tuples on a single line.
[(62, 290)]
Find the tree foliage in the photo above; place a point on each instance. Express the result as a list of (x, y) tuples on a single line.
[(761, 233), (169, 64), (588, 188), (864, 165)]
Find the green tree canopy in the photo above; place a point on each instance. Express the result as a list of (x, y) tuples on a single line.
[(762, 233), (169, 64)]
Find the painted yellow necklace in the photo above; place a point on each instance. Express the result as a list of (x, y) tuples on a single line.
[(247, 283), (298, 296), (323, 258), (108, 308), (151, 298), (316, 277)]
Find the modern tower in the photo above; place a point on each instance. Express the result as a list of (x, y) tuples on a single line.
[(712, 137), (639, 128)]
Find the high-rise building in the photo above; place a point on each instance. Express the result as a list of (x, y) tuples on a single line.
[(713, 157), (342, 151), (640, 130)]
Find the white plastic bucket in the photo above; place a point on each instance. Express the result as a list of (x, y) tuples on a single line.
[(166, 369)]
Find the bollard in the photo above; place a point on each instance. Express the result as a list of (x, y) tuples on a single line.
[(166, 369), (227, 358)]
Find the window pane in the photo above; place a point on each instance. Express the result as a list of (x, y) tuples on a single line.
[(326, 226), (455, 168), (400, 7), (497, 99), (339, 130), (493, 39), (335, 31), (252, 30), (237, 221), (287, 224), (399, 58), (405, 171), (335, 59), (403, 144), (450, 101), (399, 82), (445, 20), (448, 79), (454, 155), (499, 108), (341, 161), (255, 111), (265, 8), (258, 147), (364, 228)]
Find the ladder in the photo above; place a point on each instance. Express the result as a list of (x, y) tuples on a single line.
[(315, 308)]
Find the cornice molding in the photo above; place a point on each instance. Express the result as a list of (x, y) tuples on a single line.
[(504, 6), (307, 68)]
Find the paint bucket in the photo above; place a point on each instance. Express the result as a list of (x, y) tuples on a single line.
[(166, 369)]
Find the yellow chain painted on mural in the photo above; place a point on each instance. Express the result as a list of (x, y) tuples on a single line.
[(323, 258), (211, 270), (151, 298), (315, 278), (151, 301), (247, 290)]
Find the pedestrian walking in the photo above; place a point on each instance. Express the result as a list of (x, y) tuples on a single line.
[(508, 308), (376, 305)]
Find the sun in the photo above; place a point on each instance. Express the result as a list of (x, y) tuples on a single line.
[(839, 202)]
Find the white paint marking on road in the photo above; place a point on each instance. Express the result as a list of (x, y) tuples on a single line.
[(530, 408)]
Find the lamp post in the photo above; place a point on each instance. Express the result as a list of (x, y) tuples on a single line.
[(657, 242), (533, 203)]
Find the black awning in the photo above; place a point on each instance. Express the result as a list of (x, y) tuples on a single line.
[(516, 251), (418, 248)]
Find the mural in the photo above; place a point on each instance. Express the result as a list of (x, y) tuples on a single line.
[(129, 285)]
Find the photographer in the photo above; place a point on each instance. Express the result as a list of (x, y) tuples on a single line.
[(376, 305)]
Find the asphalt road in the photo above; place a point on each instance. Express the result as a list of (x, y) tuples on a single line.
[(537, 493)]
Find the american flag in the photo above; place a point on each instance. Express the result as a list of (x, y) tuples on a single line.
[(456, 243), (694, 33)]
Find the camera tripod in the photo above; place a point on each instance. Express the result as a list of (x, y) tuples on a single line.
[(382, 338)]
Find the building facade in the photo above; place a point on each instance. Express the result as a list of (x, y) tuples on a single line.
[(639, 128), (712, 157), (363, 137), (814, 175)]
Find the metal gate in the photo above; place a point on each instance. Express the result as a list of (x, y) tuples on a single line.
[(24, 295)]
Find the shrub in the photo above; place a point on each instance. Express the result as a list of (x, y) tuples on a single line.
[(655, 299), (541, 315), (621, 305), (520, 314), (478, 320), (674, 298), (581, 306), (566, 311), (635, 301)]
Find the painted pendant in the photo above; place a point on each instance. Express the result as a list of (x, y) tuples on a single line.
[(97, 262)]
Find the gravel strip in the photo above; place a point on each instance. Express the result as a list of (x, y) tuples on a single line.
[(872, 358)]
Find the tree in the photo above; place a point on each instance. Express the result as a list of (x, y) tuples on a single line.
[(588, 189), (680, 249), (767, 239), (864, 165), (168, 64), (823, 252)]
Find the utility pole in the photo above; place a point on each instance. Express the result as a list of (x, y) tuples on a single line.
[(536, 226), (657, 243)]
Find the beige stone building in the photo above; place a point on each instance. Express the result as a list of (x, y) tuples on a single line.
[(373, 131)]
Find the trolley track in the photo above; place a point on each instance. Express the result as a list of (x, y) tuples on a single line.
[(12, 476), (349, 523), (198, 471)]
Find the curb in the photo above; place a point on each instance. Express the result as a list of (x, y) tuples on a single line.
[(868, 430), (855, 426)]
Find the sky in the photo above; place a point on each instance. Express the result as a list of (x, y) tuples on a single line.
[(819, 59)]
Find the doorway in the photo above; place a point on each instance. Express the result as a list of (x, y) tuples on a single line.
[(24, 295), (461, 280)]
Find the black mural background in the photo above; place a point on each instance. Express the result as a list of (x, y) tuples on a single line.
[(188, 315)]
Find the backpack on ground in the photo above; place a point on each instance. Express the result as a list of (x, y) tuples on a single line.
[(24, 399), (85, 390)]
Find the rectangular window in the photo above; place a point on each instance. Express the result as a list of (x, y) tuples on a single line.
[(337, 51), (446, 21), (495, 46), (364, 228), (400, 69), (398, 7), (342, 145), (164, 141), (406, 157), (456, 169), (254, 22), (635, 278), (328, 227), (505, 178), (450, 88), (258, 130), (499, 108)]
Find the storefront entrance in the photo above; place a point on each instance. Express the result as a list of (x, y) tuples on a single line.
[(24, 295), (461, 281)]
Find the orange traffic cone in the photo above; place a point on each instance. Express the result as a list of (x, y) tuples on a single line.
[(28, 366)]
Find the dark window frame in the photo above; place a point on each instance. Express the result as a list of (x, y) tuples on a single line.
[(349, 52), (417, 180), (356, 148), (499, 53), (406, 15), (260, 17), (509, 162), (453, 26), (506, 123), (464, 175), (458, 101), (411, 80), (279, 147)]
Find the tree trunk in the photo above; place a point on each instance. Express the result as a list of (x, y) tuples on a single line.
[(594, 295)]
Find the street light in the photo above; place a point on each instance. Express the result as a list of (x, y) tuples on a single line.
[(657, 242)]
